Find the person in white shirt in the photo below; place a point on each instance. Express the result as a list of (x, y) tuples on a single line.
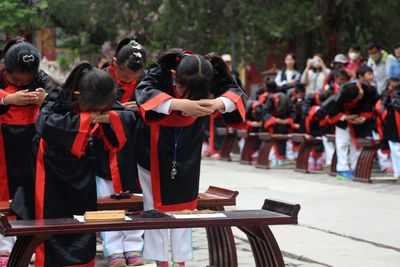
[(380, 62), (288, 76), (314, 74)]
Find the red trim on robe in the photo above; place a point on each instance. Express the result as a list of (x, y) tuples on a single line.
[(39, 197), (336, 118), (152, 103), (235, 98), (367, 115), (155, 176), (82, 137), (4, 193), (116, 124), (309, 118), (129, 88), (397, 118), (379, 122), (269, 122)]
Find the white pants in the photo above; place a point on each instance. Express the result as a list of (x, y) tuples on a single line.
[(6, 244), (329, 149), (346, 152), (383, 159), (117, 242), (290, 155), (156, 242), (395, 155)]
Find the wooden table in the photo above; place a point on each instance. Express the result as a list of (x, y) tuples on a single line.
[(214, 198), (254, 223)]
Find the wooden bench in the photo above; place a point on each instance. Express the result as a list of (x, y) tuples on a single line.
[(267, 143), (250, 140), (366, 159), (331, 139), (254, 223), (306, 145), (230, 140)]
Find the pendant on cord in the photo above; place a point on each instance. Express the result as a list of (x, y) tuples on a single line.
[(174, 171)]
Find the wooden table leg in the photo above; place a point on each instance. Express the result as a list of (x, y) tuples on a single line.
[(227, 145), (23, 250), (221, 245), (263, 154), (249, 143), (264, 246), (364, 164), (302, 158)]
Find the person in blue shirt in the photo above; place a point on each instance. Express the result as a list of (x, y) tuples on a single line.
[(394, 70)]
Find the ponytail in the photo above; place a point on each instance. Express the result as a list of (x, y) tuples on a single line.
[(96, 87)]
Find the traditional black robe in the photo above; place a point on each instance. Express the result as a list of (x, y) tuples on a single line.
[(17, 131), (157, 134), (343, 104), (272, 112), (120, 165), (66, 172)]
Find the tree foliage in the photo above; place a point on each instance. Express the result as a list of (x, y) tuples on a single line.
[(246, 27)]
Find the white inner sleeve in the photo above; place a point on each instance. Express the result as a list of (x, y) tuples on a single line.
[(230, 106), (164, 107)]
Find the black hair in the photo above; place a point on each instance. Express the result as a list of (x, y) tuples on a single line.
[(374, 45), (350, 90), (21, 57), (396, 45), (362, 70), (324, 95), (196, 74), (96, 87), (131, 54), (11, 43), (355, 47), (271, 86), (300, 87), (258, 112), (342, 72)]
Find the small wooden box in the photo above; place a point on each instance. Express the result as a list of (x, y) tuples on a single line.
[(105, 215)]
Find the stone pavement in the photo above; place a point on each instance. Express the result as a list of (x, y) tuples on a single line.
[(340, 223)]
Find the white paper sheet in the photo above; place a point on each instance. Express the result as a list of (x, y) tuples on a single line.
[(198, 216), (81, 218)]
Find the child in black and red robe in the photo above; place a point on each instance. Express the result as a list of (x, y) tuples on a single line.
[(314, 124), (22, 91), (388, 121), (279, 118), (173, 97), (117, 170), (66, 160), (351, 111)]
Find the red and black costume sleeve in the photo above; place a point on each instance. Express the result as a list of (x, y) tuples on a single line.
[(65, 179), (391, 117), (16, 133), (115, 146), (157, 133)]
